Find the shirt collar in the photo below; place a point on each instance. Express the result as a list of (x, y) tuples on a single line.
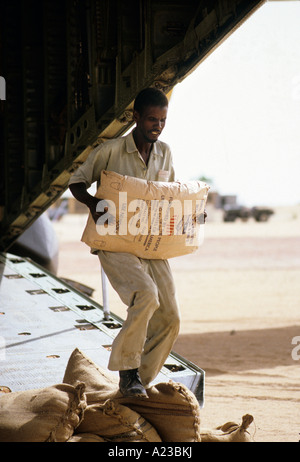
[(131, 147)]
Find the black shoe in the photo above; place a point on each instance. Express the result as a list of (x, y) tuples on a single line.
[(130, 384)]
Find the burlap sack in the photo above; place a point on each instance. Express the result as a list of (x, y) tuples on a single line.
[(117, 423), (229, 432), (153, 220), (171, 408), (100, 384), (86, 438), (45, 415)]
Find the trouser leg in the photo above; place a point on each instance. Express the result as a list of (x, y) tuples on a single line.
[(138, 291), (152, 323), (164, 325)]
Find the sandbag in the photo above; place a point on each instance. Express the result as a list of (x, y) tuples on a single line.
[(117, 423), (44, 415), (171, 408), (150, 219), (230, 432), (100, 384)]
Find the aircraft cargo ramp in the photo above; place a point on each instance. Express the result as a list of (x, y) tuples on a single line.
[(43, 319), (71, 72)]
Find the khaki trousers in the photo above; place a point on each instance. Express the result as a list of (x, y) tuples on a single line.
[(152, 324)]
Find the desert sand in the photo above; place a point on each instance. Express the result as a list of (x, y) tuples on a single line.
[(240, 306)]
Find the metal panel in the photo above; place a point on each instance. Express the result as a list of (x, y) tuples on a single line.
[(42, 320)]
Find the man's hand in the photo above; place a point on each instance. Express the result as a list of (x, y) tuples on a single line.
[(92, 205), (80, 193)]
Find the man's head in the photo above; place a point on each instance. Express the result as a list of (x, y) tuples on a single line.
[(150, 113), (150, 97)]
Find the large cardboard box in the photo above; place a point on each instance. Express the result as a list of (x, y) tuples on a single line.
[(150, 219)]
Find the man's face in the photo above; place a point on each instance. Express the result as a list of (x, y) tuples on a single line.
[(151, 122)]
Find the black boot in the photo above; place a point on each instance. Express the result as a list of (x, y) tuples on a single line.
[(130, 384)]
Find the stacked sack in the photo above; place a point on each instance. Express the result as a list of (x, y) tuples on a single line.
[(88, 407)]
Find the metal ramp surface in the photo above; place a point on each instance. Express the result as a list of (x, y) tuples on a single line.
[(43, 319)]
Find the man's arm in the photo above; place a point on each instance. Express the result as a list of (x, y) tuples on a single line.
[(80, 193)]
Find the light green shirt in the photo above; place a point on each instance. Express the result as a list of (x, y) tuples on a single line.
[(120, 155)]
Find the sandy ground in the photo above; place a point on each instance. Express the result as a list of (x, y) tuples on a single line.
[(240, 305)]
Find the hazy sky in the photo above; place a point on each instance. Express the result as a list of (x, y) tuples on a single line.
[(236, 119)]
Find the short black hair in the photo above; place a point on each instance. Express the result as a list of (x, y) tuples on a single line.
[(150, 97)]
